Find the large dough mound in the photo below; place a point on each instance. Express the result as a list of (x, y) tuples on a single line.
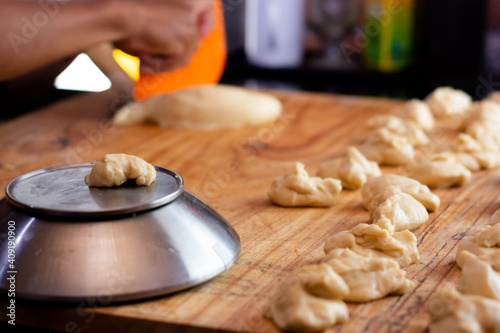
[(368, 278), (407, 185), (309, 299), (203, 107), (370, 240), (298, 189), (353, 170), (116, 169)]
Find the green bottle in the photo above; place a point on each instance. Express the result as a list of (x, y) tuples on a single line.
[(388, 29)]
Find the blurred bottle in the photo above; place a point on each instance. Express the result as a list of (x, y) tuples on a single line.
[(388, 29), (333, 21), (273, 32)]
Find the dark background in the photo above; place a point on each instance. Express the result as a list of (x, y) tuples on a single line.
[(455, 44)]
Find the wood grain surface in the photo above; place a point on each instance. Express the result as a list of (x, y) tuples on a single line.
[(232, 170)]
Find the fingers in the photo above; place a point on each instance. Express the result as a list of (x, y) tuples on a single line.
[(168, 32)]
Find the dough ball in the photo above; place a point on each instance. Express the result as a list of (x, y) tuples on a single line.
[(116, 169), (203, 107)]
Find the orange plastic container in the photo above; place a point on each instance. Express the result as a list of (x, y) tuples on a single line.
[(206, 66)]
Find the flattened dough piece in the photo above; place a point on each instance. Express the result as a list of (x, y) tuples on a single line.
[(394, 211), (386, 147), (371, 240), (446, 101), (116, 169), (203, 107), (298, 189), (368, 278), (452, 312), (407, 185), (478, 277), (485, 244), (353, 170), (440, 173), (309, 299)]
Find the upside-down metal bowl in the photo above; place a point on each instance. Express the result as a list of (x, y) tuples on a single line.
[(74, 242)]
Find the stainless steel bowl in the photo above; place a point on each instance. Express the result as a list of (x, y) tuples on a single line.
[(74, 243)]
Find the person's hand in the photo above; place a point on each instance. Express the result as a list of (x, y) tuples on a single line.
[(164, 34)]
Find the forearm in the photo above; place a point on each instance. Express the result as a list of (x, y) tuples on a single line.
[(38, 33)]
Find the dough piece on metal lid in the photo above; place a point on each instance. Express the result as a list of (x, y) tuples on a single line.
[(116, 169), (203, 107)]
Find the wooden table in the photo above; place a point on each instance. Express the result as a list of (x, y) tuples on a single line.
[(232, 170)]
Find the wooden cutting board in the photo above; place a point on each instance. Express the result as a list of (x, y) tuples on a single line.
[(232, 170)]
